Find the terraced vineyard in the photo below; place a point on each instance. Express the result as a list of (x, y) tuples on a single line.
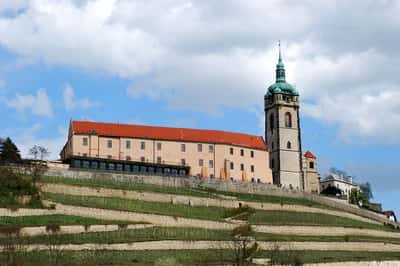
[(94, 222)]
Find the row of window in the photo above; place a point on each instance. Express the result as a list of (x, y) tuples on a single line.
[(288, 121), (159, 146), (127, 167)]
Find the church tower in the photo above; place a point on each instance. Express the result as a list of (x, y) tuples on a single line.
[(282, 131)]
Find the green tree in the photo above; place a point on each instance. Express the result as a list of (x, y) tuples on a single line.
[(358, 197), (9, 152), (367, 190)]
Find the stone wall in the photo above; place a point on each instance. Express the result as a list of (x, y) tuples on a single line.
[(217, 184)]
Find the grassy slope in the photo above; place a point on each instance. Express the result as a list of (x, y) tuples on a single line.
[(303, 218), (198, 212), (179, 191), (186, 257), (211, 213)]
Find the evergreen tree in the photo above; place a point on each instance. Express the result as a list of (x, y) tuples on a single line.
[(9, 152)]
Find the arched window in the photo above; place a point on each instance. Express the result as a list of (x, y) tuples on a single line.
[(288, 119), (289, 145), (271, 122)]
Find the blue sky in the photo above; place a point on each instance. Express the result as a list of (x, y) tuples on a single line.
[(208, 65)]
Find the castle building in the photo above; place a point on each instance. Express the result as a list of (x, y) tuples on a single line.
[(205, 153), (282, 131), (138, 148)]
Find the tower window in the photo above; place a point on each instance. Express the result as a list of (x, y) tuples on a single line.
[(288, 119), (311, 165), (271, 122), (289, 145)]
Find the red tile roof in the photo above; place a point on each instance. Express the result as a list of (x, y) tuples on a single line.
[(169, 133), (309, 154)]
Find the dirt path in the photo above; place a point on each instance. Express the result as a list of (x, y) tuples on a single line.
[(179, 245), (75, 229), (180, 199)]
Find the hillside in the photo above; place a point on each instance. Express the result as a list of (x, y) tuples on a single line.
[(104, 222)]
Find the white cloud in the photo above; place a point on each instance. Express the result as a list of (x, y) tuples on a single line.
[(70, 102), (209, 55), (38, 104)]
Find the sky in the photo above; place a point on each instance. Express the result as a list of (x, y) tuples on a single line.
[(207, 64)]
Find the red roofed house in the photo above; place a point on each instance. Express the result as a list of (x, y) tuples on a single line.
[(208, 153)]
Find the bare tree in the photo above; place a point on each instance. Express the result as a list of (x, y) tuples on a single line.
[(39, 152), (38, 167)]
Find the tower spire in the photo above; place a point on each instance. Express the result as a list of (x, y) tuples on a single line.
[(280, 67)]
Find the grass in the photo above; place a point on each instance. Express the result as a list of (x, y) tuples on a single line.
[(346, 238), (179, 257), (56, 219), (208, 193), (128, 236), (178, 210), (104, 257), (313, 256), (309, 219)]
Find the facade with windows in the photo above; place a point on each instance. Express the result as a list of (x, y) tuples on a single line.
[(344, 183), (206, 153)]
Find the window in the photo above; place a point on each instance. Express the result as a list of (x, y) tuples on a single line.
[(210, 148), (272, 145), (241, 152), (231, 151), (201, 162), (289, 145), (252, 168), (271, 123), (109, 143), (183, 147), (199, 147), (211, 164), (183, 162), (127, 168), (272, 163), (232, 166), (128, 158), (159, 146), (95, 165), (142, 159), (159, 159), (111, 166), (85, 155), (312, 165), (252, 154), (119, 167), (241, 167), (85, 141), (142, 145), (288, 119), (128, 144), (109, 157)]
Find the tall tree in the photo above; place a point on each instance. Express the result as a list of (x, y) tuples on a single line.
[(9, 152)]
